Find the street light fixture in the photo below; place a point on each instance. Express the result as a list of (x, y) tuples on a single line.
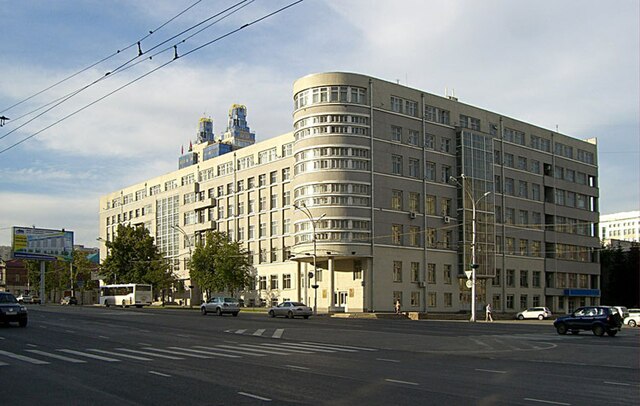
[(474, 263), (304, 209)]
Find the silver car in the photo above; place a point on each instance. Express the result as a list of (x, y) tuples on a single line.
[(221, 305), (291, 310)]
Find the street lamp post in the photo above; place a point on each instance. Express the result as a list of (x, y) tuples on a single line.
[(474, 263), (304, 209), (177, 227)]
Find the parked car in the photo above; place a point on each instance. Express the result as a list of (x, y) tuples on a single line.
[(539, 313), (599, 319), (221, 305), (11, 310), (633, 320), (290, 310), (24, 298), (624, 312), (69, 300)]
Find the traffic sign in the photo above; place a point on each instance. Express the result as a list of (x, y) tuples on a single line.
[(469, 284), (468, 273)]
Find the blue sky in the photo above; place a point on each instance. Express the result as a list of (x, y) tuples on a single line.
[(571, 64)]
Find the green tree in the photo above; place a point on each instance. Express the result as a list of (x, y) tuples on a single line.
[(133, 257), (220, 265)]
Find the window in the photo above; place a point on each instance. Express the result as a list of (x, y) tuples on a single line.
[(396, 199), (413, 137), (510, 248), (433, 299), (286, 174), (431, 273), (396, 133), (469, 122), (397, 271), (523, 301), (510, 300), (523, 218), (523, 189), (524, 279), (274, 282), (446, 173), (414, 202), (496, 281), (262, 180), (445, 144), (535, 191), (447, 239), (511, 283), (415, 299), (415, 271), (414, 168), (396, 164), (411, 108), (431, 237), (524, 247), (273, 177), (535, 166), (430, 204), (286, 281), (396, 234), (262, 283), (447, 274), (445, 206), (508, 160), (535, 280), (396, 104), (436, 115), (414, 236), (429, 142), (448, 299), (430, 171)]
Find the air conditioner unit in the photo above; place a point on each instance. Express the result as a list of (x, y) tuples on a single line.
[(446, 219), (412, 214), (421, 284)]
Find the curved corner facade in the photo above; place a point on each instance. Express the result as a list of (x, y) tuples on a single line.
[(373, 197)]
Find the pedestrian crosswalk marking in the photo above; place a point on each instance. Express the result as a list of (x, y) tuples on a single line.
[(259, 332), (117, 354), (174, 352), (241, 331), (233, 351), (148, 353), (58, 356), (84, 354), (341, 346), (262, 350), (278, 333), (217, 354), (287, 348), (23, 358)]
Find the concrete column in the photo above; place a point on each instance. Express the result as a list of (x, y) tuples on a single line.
[(332, 283)]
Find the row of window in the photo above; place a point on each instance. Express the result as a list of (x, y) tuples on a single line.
[(331, 164), (330, 94), (330, 129), (332, 188), (331, 118), (332, 152), (523, 280)]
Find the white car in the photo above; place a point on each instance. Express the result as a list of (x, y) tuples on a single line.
[(221, 305), (632, 320), (291, 310), (539, 313), (24, 298)]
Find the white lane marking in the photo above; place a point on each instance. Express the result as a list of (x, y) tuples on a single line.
[(148, 353), (105, 337), (69, 331), (117, 354), (402, 382), (259, 332), (248, 347), (617, 383), (182, 335), (334, 348), (217, 354), (1, 338), (340, 346), (3, 364), (32, 345), (240, 331), (57, 356), (84, 354), (287, 348), (144, 344), (234, 351), (278, 333), (254, 396), (174, 353), (144, 331), (159, 374), (481, 343), (23, 358), (297, 367), (387, 360), (550, 402), (491, 370)]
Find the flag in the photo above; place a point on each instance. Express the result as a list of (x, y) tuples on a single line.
[(190, 146)]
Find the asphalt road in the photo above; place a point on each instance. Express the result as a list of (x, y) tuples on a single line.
[(94, 355)]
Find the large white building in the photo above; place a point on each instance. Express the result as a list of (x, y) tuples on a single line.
[(623, 226), (377, 185)]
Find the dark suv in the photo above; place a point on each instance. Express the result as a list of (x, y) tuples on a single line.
[(599, 319)]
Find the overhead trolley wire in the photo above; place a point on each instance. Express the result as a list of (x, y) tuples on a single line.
[(151, 32), (152, 71), (128, 64)]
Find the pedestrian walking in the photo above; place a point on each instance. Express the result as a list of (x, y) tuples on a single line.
[(489, 316), (397, 306)]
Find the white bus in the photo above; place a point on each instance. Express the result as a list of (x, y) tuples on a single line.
[(126, 294)]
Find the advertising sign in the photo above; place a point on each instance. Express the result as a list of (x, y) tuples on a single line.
[(41, 244)]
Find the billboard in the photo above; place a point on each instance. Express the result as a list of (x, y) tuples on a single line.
[(41, 244)]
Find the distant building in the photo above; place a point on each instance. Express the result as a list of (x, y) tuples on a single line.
[(624, 226), (362, 188)]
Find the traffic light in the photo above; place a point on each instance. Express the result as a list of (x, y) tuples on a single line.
[(310, 275)]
